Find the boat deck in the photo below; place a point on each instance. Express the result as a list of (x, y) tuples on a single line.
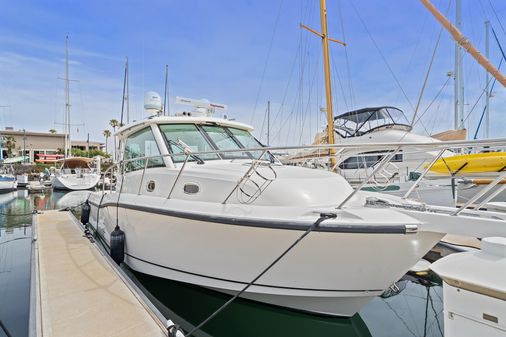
[(77, 290)]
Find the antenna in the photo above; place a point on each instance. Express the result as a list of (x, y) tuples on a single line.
[(201, 107), (166, 92)]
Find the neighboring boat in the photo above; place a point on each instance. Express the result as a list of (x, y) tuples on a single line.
[(203, 211), (474, 290), (384, 124), (37, 187), (22, 180), (8, 183), (76, 174)]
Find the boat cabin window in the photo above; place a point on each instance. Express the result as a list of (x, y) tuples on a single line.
[(142, 144), (223, 141), (249, 142), (191, 136), (359, 122), (366, 161), (202, 138)]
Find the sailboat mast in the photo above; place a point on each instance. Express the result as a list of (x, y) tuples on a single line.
[(67, 100), (326, 71), (124, 92), (456, 79), (127, 96), (460, 65), (487, 80)]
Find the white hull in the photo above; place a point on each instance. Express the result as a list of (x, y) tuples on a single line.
[(332, 273), (8, 185), (76, 182)]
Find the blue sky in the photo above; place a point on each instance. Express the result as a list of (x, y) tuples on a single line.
[(241, 53)]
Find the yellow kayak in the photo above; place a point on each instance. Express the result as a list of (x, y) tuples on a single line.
[(471, 163)]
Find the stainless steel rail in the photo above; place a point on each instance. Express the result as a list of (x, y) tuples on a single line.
[(395, 147)]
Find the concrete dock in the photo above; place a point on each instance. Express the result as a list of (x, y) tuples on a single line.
[(76, 288)]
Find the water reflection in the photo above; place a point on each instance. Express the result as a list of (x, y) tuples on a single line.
[(410, 313), (15, 256)]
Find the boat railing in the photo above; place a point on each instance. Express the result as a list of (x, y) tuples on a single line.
[(324, 151)]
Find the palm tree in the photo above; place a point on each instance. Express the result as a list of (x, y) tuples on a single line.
[(52, 131), (106, 134), (114, 123), (10, 144)]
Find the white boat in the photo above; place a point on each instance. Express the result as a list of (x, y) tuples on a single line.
[(372, 125), (202, 211), (8, 183), (37, 186), (22, 180), (474, 290), (75, 174)]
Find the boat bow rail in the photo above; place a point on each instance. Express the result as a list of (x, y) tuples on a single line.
[(339, 149)]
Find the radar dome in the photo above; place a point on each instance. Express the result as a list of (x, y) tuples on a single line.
[(152, 101)]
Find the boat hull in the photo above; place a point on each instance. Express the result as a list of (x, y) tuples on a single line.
[(331, 273), (72, 182), (8, 184)]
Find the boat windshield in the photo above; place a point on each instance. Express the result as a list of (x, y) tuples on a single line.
[(203, 138), (358, 122)]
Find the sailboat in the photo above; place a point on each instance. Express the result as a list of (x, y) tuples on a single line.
[(75, 173)]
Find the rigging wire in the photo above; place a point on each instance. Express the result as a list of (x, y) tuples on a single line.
[(267, 59), (305, 112), (496, 16), (337, 75), (503, 58), (346, 57), (433, 100), (424, 85), (382, 55), (378, 49)]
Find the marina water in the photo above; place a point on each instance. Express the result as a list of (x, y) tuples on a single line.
[(415, 311)]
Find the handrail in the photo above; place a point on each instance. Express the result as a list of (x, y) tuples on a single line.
[(383, 162), (179, 174), (480, 194), (424, 173), (391, 145), (250, 169), (394, 148)]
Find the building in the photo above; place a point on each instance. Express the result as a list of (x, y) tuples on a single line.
[(34, 143)]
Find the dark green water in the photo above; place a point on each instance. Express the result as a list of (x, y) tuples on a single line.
[(415, 311)]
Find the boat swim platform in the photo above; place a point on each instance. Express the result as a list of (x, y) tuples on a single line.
[(76, 288)]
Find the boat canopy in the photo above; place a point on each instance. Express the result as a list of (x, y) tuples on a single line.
[(359, 122), (76, 162)]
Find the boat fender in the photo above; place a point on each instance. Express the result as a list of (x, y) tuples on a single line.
[(117, 245), (85, 213)]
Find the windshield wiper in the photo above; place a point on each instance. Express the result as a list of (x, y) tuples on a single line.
[(186, 149)]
